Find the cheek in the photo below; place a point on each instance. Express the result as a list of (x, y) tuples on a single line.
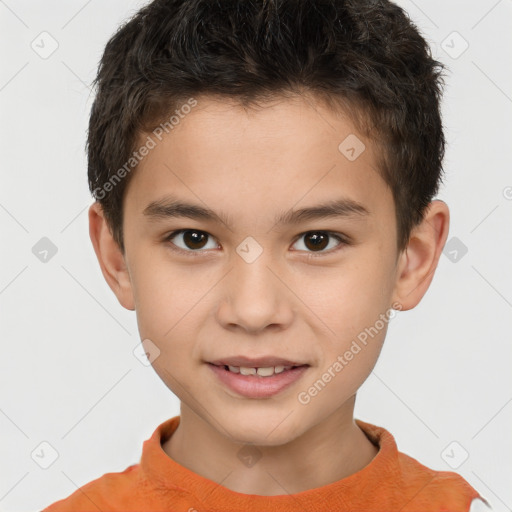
[(159, 293), (349, 355), (170, 300), (356, 293), (357, 309)]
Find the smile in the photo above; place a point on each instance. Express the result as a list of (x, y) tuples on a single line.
[(261, 382)]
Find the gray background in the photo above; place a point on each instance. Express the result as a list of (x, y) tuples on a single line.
[(68, 375)]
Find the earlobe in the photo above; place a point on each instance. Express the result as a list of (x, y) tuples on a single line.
[(110, 257), (418, 262)]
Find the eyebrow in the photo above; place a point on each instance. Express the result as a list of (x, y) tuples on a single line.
[(169, 207)]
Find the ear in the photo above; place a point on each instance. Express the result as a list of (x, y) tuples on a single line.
[(110, 257), (418, 261)]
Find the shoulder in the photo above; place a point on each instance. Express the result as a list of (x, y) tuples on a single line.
[(126, 491), (99, 493), (415, 486), (443, 488)]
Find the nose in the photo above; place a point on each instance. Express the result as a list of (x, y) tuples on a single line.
[(255, 297)]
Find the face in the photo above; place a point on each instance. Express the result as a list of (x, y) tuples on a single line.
[(256, 277)]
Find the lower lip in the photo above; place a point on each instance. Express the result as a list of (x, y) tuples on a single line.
[(254, 386)]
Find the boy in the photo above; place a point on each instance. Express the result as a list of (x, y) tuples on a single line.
[(300, 142)]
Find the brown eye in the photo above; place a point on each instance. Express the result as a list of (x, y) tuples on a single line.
[(318, 241), (192, 240)]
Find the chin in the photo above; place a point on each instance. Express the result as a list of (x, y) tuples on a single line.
[(273, 430)]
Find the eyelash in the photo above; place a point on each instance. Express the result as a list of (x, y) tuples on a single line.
[(310, 254)]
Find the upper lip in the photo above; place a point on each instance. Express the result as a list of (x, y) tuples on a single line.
[(260, 362)]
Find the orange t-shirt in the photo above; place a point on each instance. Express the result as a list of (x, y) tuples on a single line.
[(392, 481)]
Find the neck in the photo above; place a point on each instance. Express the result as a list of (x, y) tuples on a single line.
[(333, 449)]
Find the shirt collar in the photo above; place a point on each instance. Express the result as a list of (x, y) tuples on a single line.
[(166, 474)]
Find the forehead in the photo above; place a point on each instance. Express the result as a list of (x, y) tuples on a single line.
[(285, 154)]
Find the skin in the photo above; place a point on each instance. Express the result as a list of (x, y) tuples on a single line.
[(250, 166)]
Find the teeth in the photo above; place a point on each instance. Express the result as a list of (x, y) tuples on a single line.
[(262, 372), (247, 371), (265, 372)]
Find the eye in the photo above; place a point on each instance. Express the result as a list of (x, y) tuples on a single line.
[(317, 241), (190, 240)]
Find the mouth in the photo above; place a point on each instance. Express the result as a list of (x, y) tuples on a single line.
[(260, 371), (258, 382)]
